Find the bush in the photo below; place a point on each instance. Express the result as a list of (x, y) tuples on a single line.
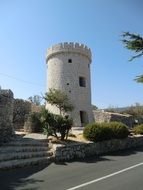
[(138, 129), (105, 131), (119, 130), (63, 126), (52, 123), (97, 132)]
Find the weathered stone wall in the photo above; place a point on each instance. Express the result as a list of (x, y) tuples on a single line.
[(6, 115), (32, 123), (21, 110), (13, 113), (83, 150), (102, 116)]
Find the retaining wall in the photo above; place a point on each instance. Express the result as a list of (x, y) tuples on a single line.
[(83, 150)]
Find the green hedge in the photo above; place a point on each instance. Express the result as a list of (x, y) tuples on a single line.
[(138, 129), (97, 132), (105, 131), (120, 130)]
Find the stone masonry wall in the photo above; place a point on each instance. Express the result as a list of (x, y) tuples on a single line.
[(102, 116), (83, 150), (6, 115), (22, 109), (13, 113)]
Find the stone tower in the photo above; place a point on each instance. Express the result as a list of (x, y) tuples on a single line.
[(68, 69)]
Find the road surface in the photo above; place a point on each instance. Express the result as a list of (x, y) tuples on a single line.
[(118, 171)]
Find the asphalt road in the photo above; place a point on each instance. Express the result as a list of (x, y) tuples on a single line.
[(120, 171)]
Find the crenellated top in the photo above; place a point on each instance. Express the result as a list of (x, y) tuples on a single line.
[(67, 48)]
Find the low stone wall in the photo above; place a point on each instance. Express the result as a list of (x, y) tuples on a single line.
[(83, 150), (6, 115)]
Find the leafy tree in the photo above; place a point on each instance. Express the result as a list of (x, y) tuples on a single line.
[(58, 123), (36, 99), (136, 111), (59, 99), (94, 107), (134, 42)]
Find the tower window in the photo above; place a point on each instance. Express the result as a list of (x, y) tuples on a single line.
[(67, 83), (82, 82), (69, 60)]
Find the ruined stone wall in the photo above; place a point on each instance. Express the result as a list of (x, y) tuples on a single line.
[(6, 115), (101, 116), (13, 114), (22, 109)]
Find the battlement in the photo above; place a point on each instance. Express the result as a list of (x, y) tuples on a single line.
[(68, 47)]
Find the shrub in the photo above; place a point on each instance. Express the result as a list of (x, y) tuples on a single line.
[(119, 130), (97, 132), (63, 125), (48, 122), (52, 123), (138, 129)]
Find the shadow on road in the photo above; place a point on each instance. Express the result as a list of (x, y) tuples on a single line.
[(18, 178), (21, 178), (104, 157), (127, 152)]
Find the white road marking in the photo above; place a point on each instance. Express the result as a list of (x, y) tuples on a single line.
[(104, 177)]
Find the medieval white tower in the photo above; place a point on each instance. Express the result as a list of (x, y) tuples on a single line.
[(68, 69)]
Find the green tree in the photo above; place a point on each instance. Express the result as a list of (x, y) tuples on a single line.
[(134, 42), (58, 123), (94, 107), (36, 99), (135, 110), (59, 99)]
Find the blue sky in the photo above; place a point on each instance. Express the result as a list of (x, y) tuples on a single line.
[(29, 27)]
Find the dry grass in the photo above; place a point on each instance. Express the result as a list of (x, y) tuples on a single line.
[(78, 138), (74, 139)]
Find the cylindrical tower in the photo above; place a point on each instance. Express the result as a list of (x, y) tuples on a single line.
[(68, 69)]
